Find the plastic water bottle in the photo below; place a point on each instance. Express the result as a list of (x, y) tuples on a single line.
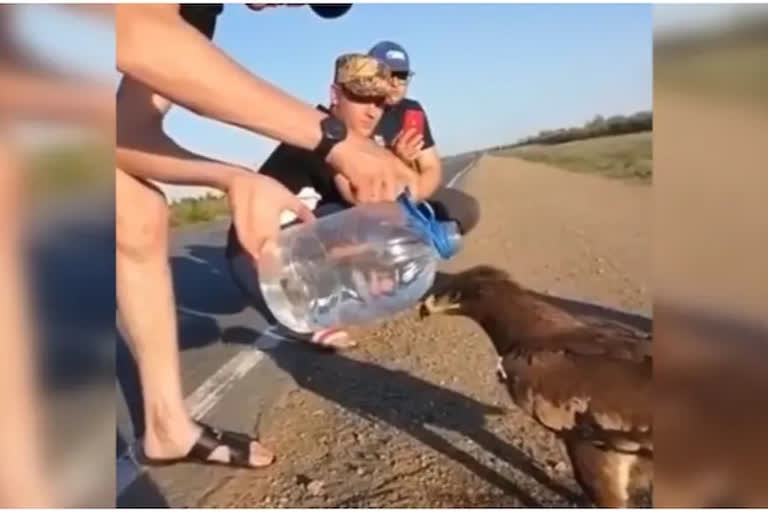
[(356, 266)]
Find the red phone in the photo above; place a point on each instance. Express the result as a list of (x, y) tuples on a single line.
[(414, 120)]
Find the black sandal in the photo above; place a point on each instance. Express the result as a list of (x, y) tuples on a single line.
[(210, 439)]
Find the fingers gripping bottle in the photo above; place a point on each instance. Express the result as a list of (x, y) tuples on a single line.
[(355, 267)]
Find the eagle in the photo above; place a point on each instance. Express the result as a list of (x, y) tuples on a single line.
[(590, 385)]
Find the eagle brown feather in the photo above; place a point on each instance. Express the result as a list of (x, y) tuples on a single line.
[(590, 385)]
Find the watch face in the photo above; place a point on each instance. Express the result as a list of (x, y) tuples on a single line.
[(334, 129)]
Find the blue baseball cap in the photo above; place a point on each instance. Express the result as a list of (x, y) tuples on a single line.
[(391, 54)]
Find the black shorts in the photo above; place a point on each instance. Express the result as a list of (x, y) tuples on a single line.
[(201, 16)]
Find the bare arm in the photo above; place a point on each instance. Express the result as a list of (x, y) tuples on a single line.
[(424, 164), (157, 47), (430, 172), (144, 150)]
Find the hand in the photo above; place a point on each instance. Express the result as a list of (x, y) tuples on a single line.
[(404, 178), (368, 173), (256, 202), (407, 145)]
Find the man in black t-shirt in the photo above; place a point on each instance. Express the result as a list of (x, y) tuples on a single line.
[(358, 95)]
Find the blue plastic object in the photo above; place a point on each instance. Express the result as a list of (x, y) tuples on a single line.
[(421, 216)]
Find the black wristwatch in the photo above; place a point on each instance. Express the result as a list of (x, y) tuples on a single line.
[(333, 131)]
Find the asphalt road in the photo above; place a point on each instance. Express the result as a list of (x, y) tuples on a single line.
[(217, 332)]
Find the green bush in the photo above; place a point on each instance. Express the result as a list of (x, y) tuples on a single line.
[(198, 210), (62, 168), (622, 156), (597, 127)]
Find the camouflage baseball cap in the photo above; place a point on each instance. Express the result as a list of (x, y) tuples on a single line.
[(362, 75)]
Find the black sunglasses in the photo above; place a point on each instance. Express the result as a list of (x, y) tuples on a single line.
[(402, 75)]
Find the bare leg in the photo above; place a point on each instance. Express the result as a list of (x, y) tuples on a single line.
[(148, 316)]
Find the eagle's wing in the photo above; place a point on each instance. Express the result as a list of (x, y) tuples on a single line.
[(609, 342), (589, 383)]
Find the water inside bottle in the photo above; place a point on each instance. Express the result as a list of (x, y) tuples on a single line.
[(300, 288), (349, 284)]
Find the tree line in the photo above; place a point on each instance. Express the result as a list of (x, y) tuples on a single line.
[(597, 127)]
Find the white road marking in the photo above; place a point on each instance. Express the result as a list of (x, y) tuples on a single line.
[(213, 389), (461, 173), (199, 403), (127, 470)]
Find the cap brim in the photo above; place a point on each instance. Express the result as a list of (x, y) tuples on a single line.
[(330, 11), (354, 93), (398, 69)]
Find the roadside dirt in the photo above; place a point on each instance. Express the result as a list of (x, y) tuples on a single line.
[(415, 417)]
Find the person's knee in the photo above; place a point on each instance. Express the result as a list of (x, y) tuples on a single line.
[(244, 273), (143, 218), (468, 213), (458, 206)]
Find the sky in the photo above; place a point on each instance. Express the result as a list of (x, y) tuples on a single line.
[(487, 74)]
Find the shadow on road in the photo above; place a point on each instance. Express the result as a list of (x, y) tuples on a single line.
[(204, 289), (139, 492), (410, 404)]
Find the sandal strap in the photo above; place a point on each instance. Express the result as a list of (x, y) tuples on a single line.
[(239, 445)]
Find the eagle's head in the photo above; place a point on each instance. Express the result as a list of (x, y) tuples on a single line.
[(469, 293)]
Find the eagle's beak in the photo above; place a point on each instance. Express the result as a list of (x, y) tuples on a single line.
[(426, 307), (433, 305)]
